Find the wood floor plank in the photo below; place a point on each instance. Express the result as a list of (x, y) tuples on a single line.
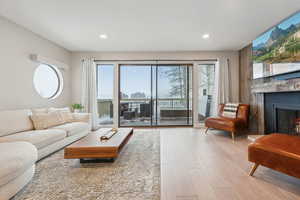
[(196, 166)]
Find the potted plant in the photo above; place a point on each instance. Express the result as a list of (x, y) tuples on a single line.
[(77, 107)]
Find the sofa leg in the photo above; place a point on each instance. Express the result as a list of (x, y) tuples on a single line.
[(206, 130), (253, 169), (232, 135)]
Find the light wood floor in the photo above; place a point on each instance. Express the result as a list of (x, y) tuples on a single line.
[(195, 166)]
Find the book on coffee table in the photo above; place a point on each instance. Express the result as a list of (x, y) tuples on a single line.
[(109, 134)]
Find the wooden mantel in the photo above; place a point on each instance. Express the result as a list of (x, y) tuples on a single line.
[(292, 85)]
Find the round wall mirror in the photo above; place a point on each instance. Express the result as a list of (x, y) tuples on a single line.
[(47, 81)]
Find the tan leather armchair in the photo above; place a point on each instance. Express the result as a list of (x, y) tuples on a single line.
[(232, 125)]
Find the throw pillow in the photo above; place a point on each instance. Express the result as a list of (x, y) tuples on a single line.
[(46, 120), (81, 117), (65, 114), (65, 109)]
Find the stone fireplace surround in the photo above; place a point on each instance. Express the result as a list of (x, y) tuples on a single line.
[(267, 93)]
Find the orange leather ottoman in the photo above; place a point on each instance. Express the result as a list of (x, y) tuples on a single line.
[(280, 152)]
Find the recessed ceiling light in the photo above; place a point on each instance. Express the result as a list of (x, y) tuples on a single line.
[(205, 36), (103, 36)]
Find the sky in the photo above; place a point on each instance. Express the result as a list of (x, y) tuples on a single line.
[(135, 79), (132, 79), (105, 81), (295, 19)]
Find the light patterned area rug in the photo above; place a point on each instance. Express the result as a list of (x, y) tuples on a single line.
[(135, 175)]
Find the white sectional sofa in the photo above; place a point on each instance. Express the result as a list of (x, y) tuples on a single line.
[(17, 168), (21, 146)]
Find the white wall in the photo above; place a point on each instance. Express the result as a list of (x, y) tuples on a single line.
[(233, 57), (16, 74)]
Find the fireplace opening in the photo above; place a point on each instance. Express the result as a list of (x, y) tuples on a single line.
[(286, 119), (281, 112)]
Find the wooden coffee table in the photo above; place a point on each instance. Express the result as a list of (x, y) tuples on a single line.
[(91, 148)]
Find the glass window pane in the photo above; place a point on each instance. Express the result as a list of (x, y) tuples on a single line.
[(135, 95), (206, 91), (173, 95), (47, 81), (105, 88)]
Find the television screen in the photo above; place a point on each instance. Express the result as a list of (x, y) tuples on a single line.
[(277, 51)]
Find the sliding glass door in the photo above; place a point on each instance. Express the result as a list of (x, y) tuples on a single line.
[(135, 95), (173, 95), (155, 95)]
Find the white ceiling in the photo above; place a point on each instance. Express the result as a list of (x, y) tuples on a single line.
[(148, 25)]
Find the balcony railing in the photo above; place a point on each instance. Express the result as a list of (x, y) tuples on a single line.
[(105, 106)]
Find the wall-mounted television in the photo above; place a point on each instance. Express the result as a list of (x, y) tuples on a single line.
[(277, 51)]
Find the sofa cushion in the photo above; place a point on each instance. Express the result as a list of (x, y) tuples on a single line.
[(18, 157), (46, 120), (67, 117), (4, 140), (39, 111), (13, 121), (65, 114), (73, 128), (39, 138)]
